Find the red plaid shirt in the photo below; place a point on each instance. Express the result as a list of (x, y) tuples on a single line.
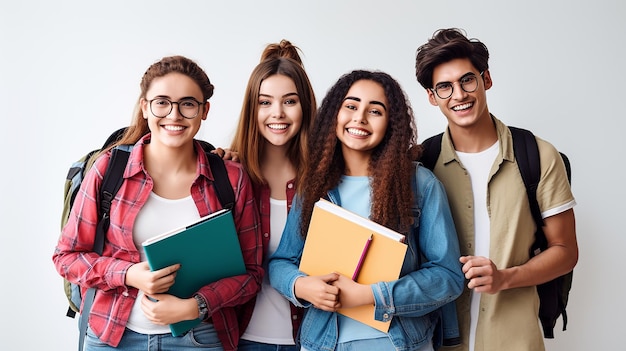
[(75, 260)]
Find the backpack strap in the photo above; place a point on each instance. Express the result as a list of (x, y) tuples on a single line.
[(432, 149), (114, 137), (111, 182), (222, 185), (527, 156), (528, 162), (568, 167)]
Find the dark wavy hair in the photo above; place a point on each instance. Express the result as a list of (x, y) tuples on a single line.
[(390, 166), (446, 45)]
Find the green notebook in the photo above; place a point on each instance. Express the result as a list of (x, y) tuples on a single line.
[(208, 251)]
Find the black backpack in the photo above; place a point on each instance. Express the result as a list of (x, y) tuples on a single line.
[(111, 182), (553, 295)]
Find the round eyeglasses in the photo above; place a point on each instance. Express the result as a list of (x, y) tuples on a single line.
[(468, 83), (162, 107)]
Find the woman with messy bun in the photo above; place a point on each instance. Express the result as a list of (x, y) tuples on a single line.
[(271, 143)]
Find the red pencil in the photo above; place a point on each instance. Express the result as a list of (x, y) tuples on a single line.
[(362, 259)]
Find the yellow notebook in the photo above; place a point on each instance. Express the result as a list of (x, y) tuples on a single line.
[(335, 242)]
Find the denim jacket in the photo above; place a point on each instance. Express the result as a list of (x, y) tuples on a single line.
[(412, 302)]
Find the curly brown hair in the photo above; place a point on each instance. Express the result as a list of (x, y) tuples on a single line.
[(390, 166)]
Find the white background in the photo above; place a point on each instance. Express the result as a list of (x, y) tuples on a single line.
[(70, 72)]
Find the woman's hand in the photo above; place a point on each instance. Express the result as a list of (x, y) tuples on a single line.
[(353, 294), (164, 309), (139, 276), (226, 154), (319, 291)]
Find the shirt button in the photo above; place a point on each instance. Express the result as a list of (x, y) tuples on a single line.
[(294, 317), (267, 235), (385, 316), (290, 185)]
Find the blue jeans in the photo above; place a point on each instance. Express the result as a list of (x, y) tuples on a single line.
[(202, 337), (247, 345), (378, 344)]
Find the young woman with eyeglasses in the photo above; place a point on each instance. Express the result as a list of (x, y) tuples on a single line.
[(167, 183)]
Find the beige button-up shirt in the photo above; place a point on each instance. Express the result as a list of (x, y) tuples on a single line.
[(507, 320)]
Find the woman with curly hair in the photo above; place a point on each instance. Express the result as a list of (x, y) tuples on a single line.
[(367, 128)]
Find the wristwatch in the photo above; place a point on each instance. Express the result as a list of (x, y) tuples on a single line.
[(203, 310)]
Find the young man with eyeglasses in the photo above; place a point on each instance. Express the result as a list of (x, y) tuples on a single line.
[(498, 309)]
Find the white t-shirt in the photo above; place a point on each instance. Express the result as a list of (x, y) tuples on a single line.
[(271, 319), (478, 165), (157, 216)]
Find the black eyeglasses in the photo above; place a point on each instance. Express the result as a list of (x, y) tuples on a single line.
[(468, 83), (162, 107)]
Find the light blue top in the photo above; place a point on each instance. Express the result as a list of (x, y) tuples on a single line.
[(354, 191), (412, 302)]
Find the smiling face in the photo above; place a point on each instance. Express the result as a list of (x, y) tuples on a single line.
[(462, 109), (279, 113), (173, 130), (362, 119)]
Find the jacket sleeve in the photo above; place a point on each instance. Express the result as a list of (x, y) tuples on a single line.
[(439, 280)]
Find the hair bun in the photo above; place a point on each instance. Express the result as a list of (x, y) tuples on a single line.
[(280, 50)]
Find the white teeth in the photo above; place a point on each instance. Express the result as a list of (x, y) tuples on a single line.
[(277, 126), (462, 107), (358, 132), (173, 128)]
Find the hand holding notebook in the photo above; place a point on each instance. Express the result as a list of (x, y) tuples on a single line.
[(208, 250), (351, 253)]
